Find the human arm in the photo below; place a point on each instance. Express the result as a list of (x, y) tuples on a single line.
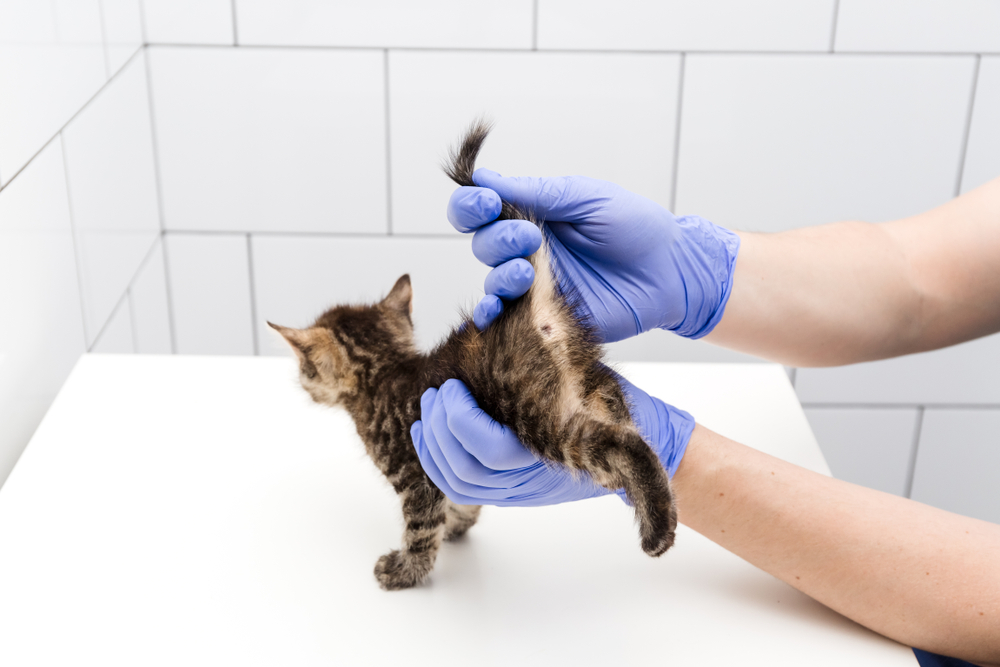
[(919, 575), (853, 291), (922, 576), (827, 295)]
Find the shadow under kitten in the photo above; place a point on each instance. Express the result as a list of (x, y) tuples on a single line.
[(537, 369)]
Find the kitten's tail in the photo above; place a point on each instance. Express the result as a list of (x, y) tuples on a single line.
[(547, 287), (461, 164)]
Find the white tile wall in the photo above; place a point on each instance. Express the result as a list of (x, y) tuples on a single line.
[(53, 62), (268, 139), (501, 24), (298, 278), (149, 302), (210, 292), (188, 21), (774, 142), (112, 186), (122, 30), (867, 446), (982, 157), (73, 20), (116, 336), (609, 116), (941, 26), (42, 334), (958, 463), (686, 25), (959, 374)]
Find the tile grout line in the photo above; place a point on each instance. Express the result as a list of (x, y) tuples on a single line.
[(159, 202), (131, 319), (968, 127), (833, 29), (104, 327), (70, 120), (467, 49), (170, 294), (142, 22), (236, 41), (911, 465), (388, 146), (128, 291), (104, 39), (253, 299), (534, 25), (76, 249), (677, 134)]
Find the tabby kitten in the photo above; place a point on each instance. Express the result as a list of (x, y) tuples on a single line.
[(537, 369)]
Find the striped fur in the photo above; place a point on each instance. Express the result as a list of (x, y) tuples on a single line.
[(537, 368)]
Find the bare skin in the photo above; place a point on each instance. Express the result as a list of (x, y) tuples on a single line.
[(854, 291), (839, 294), (922, 576)]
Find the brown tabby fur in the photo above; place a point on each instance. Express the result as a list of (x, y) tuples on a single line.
[(536, 368)]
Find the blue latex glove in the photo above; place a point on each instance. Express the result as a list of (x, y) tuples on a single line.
[(634, 265), (475, 460)]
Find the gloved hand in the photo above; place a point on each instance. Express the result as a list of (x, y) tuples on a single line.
[(476, 461), (633, 264)]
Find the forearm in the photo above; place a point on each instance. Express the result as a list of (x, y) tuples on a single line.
[(853, 291), (919, 575)]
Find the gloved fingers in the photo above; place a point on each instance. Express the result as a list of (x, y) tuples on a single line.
[(447, 453), (504, 240), (470, 208), (511, 279), (566, 198), (489, 442), (418, 436), (487, 310)]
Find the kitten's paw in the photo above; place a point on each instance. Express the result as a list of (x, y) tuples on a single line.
[(657, 545), (395, 571), (460, 518), (455, 535), (658, 533)]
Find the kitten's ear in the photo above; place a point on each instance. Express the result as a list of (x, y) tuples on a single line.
[(297, 338), (400, 297)]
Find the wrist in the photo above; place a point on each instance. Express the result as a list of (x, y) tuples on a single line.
[(705, 259)]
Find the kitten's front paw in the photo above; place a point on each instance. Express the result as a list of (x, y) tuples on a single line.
[(395, 571)]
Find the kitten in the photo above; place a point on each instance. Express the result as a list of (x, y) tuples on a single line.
[(536, 369)]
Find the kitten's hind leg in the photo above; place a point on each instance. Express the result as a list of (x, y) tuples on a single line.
[(459, 519), (424, 513), (617, 457)]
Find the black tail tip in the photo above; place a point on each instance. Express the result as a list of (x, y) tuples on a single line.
[(461, 161)]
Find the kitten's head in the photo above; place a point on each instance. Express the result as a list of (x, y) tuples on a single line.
[(348, 342)]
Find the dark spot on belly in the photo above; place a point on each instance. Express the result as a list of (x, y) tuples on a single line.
[(546, 329)]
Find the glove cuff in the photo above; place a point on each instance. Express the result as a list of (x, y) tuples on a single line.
[(667, 429), (706, 262)]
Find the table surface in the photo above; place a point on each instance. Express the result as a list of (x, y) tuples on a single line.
[(201, 510)]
